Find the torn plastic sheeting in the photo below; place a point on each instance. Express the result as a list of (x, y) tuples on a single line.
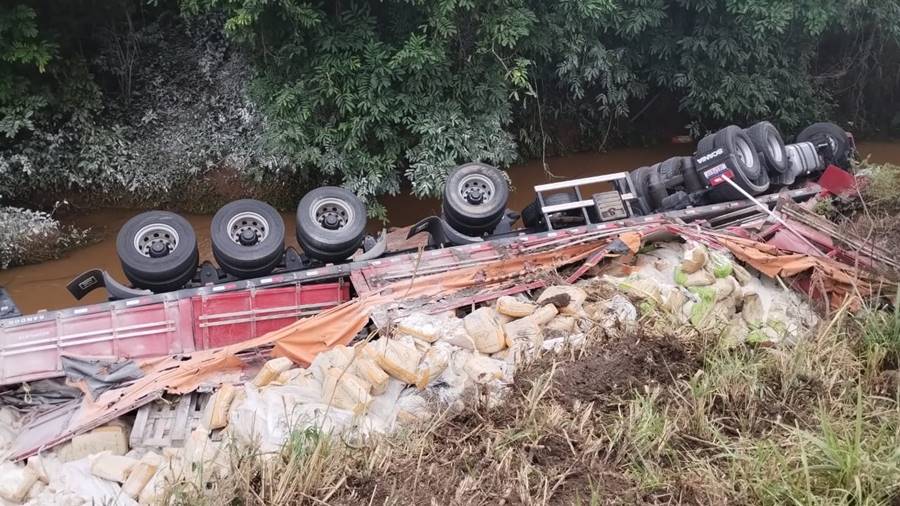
[(44, 393), (302, 340), (788, 241), (99, 375), (625, 243), (821, 240), (769, 260)]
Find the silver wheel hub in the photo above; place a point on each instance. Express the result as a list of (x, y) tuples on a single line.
[(476, 189), (331, 213), (775, 148), (247, 228), (155, 240), (745, 153)]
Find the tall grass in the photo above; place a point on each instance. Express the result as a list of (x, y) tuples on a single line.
[(802, 425)]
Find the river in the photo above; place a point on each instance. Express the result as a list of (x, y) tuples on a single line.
[(42, 286)]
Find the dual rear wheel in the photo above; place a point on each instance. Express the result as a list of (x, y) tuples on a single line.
[(158, 249)]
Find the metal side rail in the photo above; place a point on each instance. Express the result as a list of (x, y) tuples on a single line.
[(620, 203)]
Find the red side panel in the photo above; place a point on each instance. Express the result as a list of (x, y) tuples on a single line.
[(33, 351), (231, 317)]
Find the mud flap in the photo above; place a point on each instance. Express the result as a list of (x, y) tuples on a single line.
[(440, 232), (8, 308), (88, 281)]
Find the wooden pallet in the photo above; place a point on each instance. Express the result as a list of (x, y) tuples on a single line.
[(168, 422)]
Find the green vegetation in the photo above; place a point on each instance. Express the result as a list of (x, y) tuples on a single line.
[(35, 236), (144, 99)]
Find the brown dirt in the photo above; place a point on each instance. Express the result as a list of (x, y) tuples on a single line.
[(617, 367), (487, 447)]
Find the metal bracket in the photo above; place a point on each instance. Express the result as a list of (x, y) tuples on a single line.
[(292, 259), (208, 274), (374, 250), (88, 281), (440, 232), (620, 180), (506, 223)]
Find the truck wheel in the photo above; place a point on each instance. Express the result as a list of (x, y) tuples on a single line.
[(533, 218), (247, 238), (769, 144), (749, 173), (158, 251), (475, 197), (640, 177), (706, 144), (835, 137), (331, 223)]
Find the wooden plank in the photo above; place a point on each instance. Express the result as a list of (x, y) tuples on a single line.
[(167, 423), (140, 425), (178, 430)]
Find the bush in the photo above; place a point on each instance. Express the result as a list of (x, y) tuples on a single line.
[(33, 236), (359, 91), (159, 104), (143, 99)]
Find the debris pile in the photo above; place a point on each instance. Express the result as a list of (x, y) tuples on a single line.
[(417, 366), (710, 291)]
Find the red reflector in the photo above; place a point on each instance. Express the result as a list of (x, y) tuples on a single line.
[(721, 178)]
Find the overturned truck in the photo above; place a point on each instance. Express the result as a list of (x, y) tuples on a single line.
[(175, 305)]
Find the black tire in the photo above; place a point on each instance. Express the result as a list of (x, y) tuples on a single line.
[(749, 172), (656, 188), (640, 178), (835, 137), (342, 210), (259, 221), (532, 216), (158, 229), (466, 184), (770, 146), (706, 144)]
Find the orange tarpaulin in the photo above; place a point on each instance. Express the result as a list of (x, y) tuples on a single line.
[(301, 341), (832, 279)]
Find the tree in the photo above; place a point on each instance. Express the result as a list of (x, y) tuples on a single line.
[(23, 52)]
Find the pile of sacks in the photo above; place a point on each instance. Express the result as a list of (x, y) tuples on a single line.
[(709, 291), (425, 365), (96, 466)]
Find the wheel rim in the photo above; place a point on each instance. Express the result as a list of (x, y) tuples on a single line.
[(774, 148), (156, 240), (476, 189), (247, 228), (331, 214), (832, 143), (745, 153)]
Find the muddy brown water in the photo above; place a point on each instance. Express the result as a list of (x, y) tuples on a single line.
[(43, 286)]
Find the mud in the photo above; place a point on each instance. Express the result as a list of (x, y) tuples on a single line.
[(612, 369)]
